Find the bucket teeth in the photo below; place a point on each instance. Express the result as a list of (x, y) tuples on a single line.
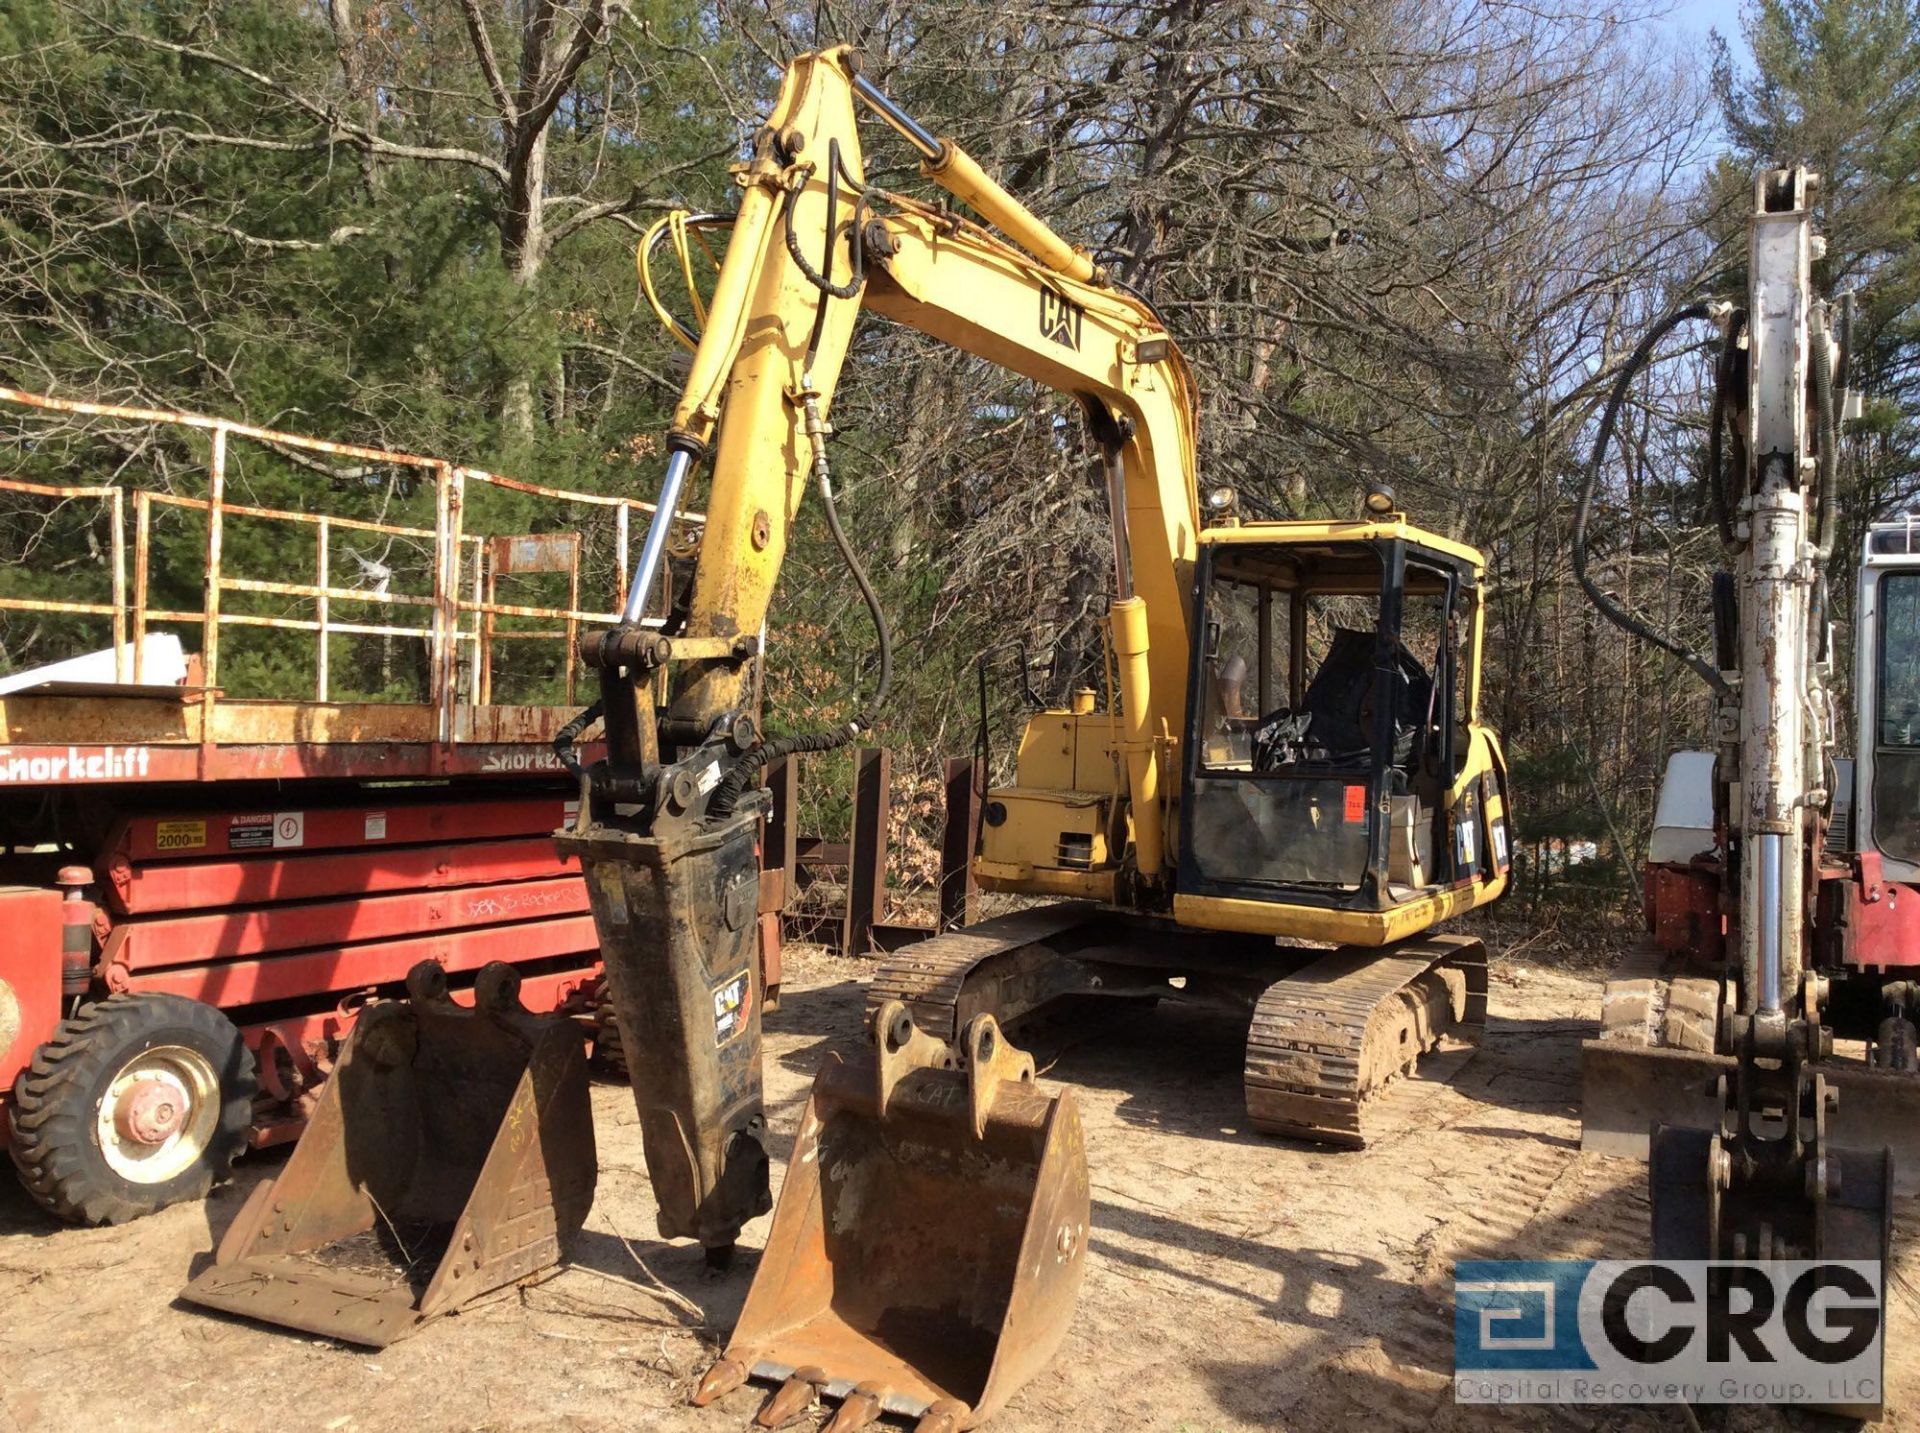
[(952, 1177), (791, 1398), (720, 1380), (860, 1408), (949, 1415)]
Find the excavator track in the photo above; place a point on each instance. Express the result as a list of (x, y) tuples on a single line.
[(1328, 1036), (1654, 1059), (1322, 1039), (1642, 1005), (930, 976)]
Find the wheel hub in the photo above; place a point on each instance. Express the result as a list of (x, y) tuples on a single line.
[(158, 1114), (150, 1112)]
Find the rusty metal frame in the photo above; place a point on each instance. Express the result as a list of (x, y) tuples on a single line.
[(867, 860), (859, 926), (451, 618), (115, 610)]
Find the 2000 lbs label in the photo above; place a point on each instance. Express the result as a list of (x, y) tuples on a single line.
[(731, 1003), (179, 835)]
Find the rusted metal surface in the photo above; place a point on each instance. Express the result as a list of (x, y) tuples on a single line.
[(780, 846), (1683, 909), (451, 1154), (928, 1248), (294, 1055), (678, 916), (458, 617), (858, 926), (966, 783), (541, 552), (867, 861)]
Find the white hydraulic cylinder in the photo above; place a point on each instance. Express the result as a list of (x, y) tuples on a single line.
[(1780, 686)]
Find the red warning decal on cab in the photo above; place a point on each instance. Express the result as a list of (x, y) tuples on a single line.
[(1356, 804)]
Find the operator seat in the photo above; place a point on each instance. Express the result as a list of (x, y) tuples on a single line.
[(1339, 699)]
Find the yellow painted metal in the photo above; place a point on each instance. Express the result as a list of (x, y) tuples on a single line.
[(1071, 751), (1393, 526), (957, 172), (753, 360), (979, 296), (1136, 710), (954, 281), (1096, 755), (739, 297), (1047, 751), (1034, 822), (1299, 922), (1018, 879)]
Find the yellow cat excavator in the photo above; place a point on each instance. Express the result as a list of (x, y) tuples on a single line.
[(1285, 790), (1293, 754)]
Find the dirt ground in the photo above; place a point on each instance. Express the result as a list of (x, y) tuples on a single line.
[(1235, 1282)]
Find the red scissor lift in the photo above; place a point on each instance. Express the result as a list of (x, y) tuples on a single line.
[(198, 893)]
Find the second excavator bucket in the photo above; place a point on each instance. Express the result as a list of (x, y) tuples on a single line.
[(927, 1249), (1627, 1090), (451, 1154)]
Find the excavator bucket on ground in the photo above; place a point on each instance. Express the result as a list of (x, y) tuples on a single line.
[(451, 1154), (1657, 1061), (929, 1241)]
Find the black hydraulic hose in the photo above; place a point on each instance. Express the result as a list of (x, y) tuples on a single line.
[(1608, 608), (1828, 434), (856, 247), (1716, 423), (883, 635), (570, 733), (748, 767)]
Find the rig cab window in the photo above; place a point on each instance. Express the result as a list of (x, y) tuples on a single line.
[(1328, 692), (1896, 756)]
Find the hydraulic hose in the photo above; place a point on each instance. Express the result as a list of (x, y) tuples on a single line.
[(570, 733), (747, 768), (1716, 423), (1821, 342), (883, 635), (1608, 608), (856, 280)]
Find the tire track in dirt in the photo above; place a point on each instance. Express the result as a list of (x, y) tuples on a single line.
[(1508, 1107)]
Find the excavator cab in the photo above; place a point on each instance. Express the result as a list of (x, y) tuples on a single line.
[(1333, 763), (1337, 783)]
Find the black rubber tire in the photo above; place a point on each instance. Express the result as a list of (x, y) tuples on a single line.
[(55, 1146)]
